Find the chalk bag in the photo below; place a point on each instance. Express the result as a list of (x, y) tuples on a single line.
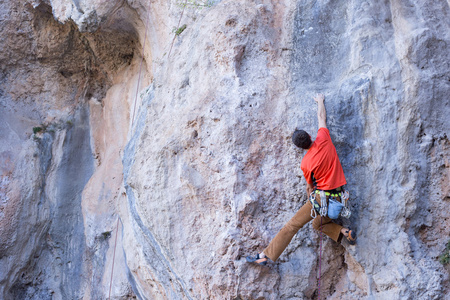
[(334, 208)]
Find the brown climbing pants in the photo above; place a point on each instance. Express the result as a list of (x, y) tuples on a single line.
[(303, 216)]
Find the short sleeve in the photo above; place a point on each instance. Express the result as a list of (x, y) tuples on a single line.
[(323, 133)]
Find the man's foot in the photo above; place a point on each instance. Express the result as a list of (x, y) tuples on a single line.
[(258, 259), (350, 235)]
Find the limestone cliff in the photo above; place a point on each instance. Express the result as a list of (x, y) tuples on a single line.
[(145, 147)]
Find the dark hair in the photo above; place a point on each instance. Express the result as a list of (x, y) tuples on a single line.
[(301, 139)]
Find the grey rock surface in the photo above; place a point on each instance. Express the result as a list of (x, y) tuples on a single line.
[(165, 157)]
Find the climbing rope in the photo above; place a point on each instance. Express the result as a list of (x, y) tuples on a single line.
[(132, 122), (320, 256), (134, 110), (114, 256), (179, 22), (140, 68)]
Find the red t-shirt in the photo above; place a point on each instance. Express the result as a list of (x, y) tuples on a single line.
[(322, 161)]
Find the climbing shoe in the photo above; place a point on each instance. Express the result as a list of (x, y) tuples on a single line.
[(253, 259), (351, 237)]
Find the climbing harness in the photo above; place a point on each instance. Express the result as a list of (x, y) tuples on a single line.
[(332, 204)]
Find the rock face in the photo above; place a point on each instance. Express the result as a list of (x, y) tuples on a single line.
[(143, 162)]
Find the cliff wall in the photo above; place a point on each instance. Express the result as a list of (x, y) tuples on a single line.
[(147, 144)]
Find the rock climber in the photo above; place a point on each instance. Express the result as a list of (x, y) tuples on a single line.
[(325, 178)]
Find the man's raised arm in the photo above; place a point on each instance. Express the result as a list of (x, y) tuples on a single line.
[(321, 113)]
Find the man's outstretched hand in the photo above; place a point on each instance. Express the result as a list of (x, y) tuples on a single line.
[(319, 97)]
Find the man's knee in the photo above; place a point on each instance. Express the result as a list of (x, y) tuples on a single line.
[(317, 222)]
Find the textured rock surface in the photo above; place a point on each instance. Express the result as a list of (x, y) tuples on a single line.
[(200, 170)]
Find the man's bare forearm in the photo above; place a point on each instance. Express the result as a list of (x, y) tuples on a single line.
[(321, 112)]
